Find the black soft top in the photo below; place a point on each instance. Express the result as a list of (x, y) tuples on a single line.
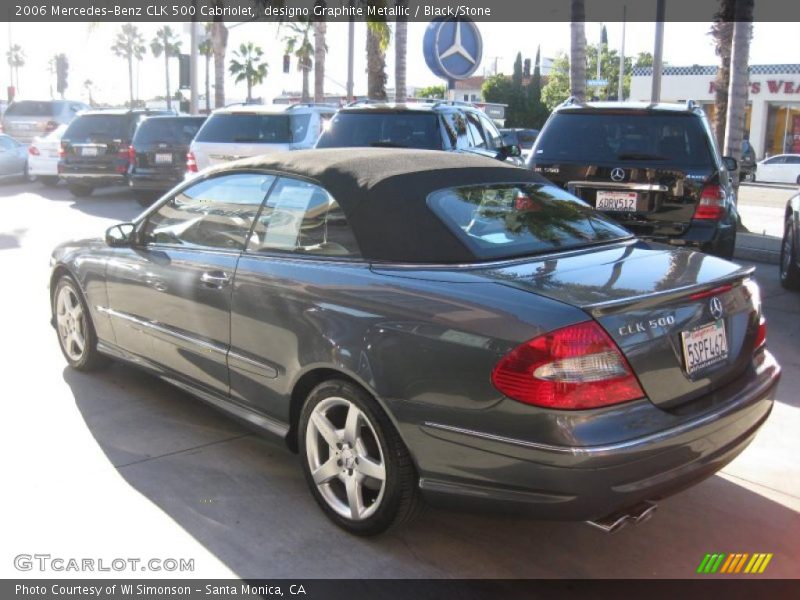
[(383, 193)]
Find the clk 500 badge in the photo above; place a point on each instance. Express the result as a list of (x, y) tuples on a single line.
[(647, 325)]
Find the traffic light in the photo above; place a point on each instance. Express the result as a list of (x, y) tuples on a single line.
[(286, 63), (62, 72)]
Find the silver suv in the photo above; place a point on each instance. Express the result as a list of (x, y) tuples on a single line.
[(27, 119), (247, 130)]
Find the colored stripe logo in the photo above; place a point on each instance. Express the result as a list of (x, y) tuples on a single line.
[(752, 564)]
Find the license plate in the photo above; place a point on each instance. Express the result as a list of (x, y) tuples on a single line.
[(162, 159), (704, 346), (91, 151), (616, 201)]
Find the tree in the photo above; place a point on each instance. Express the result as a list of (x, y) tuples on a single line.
[(643, 59), (166, 43), (206, 50), (15, 56), (62, 73), (558, 86), (400, 53), (577, 56), (722, 33), (737, 95), (432, 91), (537, 112), (299, 44), (378, 36), (320, 49), (609, 66), (129, 44), (219, 42), (247, 65)]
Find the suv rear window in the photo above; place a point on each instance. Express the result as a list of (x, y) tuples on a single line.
[(389, 129), (30, 108), (507, 220), (168, 130), (252, 128), (100, 127), (634, 136)]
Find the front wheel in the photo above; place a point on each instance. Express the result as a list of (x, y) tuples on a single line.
[(790, 273), (356, 466), (76, 333), (79, 191), (48, 181)]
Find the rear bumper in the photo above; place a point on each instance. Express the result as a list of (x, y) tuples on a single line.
[(93, 179), (476, 469), (155, 181), (714, 237)]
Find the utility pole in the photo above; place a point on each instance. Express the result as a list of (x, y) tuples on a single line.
[(194, 56), (658, 53), (620, 90), (351, 34)]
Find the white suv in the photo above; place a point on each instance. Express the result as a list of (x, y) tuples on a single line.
[(246, 130)]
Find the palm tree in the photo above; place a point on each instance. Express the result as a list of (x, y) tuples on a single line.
[(219, 42), (16, 60), (206, 49), (722, 34), (165, 43), (320, 30), (247, 66), (400, 52), (577, 56), (737, 95), (87, 85), (129, 44), (378, 36), (299, 44)]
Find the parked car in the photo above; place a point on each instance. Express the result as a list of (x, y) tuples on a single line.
[(95, 148), (43, 156), (790, 257), (653, 168), (26, 119), (13, 159), (451, 126), (246, 130), (419, 323), (781, 168), (747, 166), (524, 138), (158, 155)]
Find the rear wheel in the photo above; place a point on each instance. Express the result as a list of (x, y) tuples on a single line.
[(790, 273), (76, 334), (356, 466), (48, 181), (79, 191)]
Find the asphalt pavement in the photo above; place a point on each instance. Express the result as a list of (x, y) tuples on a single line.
[(117, 464)]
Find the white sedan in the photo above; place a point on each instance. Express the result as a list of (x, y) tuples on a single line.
[(784, 168), (43, 156)]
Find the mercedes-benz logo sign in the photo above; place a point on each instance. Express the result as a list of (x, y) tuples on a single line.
[(715, 306), (453, 48), (617, 174)]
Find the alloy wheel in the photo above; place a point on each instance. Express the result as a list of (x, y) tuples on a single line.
[(71, 323), (345, 458)]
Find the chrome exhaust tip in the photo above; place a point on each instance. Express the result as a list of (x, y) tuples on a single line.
[(635, 515)]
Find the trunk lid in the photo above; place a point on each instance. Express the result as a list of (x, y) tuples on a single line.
[(208, 154)]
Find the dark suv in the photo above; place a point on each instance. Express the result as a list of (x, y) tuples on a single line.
[(95, 149), (158, 155), (655, 168), (451, 126)]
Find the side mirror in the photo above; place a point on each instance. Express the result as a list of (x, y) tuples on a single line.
[(512, 151), (731, 164), (121, 236)]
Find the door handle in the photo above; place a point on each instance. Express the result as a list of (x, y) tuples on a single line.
[(215, 279)]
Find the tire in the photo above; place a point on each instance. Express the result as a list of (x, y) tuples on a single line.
[(48, 181), (73, 322), (789, 272), (726, 248), (145, 199), (349, 464), (79, 191)]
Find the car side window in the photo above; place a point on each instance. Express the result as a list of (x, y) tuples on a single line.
[(494, 139), (793, 160), (6, 143), (777, 160), (475, 131), (302, 218), (456, 127), (213, 213)]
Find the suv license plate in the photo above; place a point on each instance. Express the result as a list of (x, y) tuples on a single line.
[(90, 151), (616, 201), (163, 159), (704, 346)]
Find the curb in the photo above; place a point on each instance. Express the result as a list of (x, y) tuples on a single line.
[(761, 248)]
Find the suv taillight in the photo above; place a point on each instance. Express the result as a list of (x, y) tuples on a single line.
[(51, 126), (33, 150), (62, 151), (712, 203), (131, 154), (191, 163), (573, 368)]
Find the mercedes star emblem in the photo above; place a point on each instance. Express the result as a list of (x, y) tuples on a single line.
[(617, 174), (715, 306)]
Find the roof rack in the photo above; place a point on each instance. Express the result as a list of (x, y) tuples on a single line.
[(692, 105), (365, 101), (453, 103), (311, 104), (570, 101)]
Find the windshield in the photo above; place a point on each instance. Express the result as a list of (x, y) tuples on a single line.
[(507, 220), (30, 108), (624, 136), (179, 130), (391, 129), (102, 127), (251, 128)]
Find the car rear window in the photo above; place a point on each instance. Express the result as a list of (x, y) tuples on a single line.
[(252, 128), (399, 130), (30, 108), (624, 136), (526, 139), (507, 220), (101, 127), (168, 130)]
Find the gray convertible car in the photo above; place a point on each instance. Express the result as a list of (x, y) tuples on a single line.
[(426, 325)]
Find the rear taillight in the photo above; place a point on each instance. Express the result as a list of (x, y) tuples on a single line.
[(123, 154), (712, 203), (131, 154), (51, 126), (577, 367), (33, 150), (62, 152), (191, 163), (761, 335)]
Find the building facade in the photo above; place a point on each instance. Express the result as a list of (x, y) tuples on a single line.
[(773, 110)]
